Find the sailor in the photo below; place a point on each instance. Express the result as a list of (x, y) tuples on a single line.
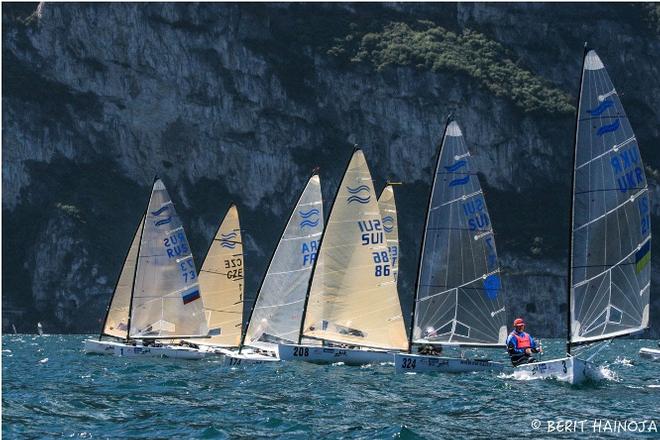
[(521, 345)]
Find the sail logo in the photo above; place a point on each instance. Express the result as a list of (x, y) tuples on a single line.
[(388, 223), (614, 126), (308, 251), (371, 232), (475, 211), (601, 108), (158, 212), (456, 166), (176, 245), (356, 194), (461, 181), (310, 219), (227, 240), (190, 296), (627, 169), (643, 256)]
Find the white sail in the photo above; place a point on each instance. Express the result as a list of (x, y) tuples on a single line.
[(353, 297), (459, 298), (611, 224), (166, 299), (116, 322), (222, 284), (280, 301), (387, 206)]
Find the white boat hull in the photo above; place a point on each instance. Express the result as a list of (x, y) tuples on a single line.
[(234, 359), (568, 369), (331, 355), (128, 350), (650, 353), (414, 363)]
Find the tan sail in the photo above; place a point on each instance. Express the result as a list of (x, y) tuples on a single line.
[(353, 297), (387, 206), (116, 323), (221, 283)]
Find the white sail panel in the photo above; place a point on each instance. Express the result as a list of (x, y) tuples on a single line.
[(459, 296), (222, 284), (353, 297), (387, 206), (611, 224), (279, 306), (166, 298), (116, 322)]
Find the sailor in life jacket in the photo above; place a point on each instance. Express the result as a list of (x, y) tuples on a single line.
[(521, 345)]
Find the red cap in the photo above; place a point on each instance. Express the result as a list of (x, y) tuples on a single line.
[(518, 321)]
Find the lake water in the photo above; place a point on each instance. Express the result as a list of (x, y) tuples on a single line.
[(50, 388)]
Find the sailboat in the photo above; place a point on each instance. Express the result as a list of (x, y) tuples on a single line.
[(387, 207), (352, 304), (610, 238), (221, 282), (458, 296), (156, 297), (278, 308)]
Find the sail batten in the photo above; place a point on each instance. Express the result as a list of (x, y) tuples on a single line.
[(611, 229), (353, 297), (458, 296), (165, 295), (278, 308)]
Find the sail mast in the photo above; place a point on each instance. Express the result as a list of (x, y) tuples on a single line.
[(137, 259), (318, 251), (450, 118), (270, 261), (571, 214)]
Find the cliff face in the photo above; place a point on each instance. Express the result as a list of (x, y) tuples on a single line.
[(239, 102)]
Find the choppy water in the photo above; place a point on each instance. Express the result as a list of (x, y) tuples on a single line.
[(51, 389)]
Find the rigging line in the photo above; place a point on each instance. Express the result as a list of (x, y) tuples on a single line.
[(279, 305), (600, 217), (600, 190), (615, 265), (462, 286), (600, 118), (615, 148), (286, 272)]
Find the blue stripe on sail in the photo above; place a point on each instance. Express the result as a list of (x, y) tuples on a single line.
[(358, 189), (614, 126), (457, 166), (308, 214), (601, 108), (362, 200), (190, 296), (643, 256), (461, 181), (160, 211), (309, 223), (163, 221)]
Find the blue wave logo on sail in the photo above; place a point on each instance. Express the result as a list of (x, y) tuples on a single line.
[(310, 218), (457, 166), (164, 221), (388, 223), (160, 211), (461, 181), (614, 126), (227, 240), (601, 108), (355, 197)]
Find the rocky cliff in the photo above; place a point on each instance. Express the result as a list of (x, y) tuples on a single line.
[(238, 102)]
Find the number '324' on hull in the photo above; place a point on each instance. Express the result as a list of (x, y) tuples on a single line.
[(413, 363)]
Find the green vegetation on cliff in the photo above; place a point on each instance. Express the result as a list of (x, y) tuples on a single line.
[(427, 46)]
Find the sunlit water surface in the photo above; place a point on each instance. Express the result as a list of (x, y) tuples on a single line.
[(50, 388)]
